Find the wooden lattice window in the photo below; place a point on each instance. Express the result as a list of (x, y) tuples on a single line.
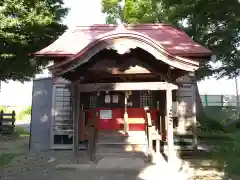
[(93, 101), (115, 98), (145, 99), (62, 106), (107, 98)]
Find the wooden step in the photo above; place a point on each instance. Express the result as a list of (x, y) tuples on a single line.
[(121, 148), (120, 138), (120, 133), (123, 154), (126, 140), (145, 158), (181, 141), (121, 142), (117, 144)]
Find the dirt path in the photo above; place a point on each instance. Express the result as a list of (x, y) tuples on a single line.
[(42, 166), (13, 145)]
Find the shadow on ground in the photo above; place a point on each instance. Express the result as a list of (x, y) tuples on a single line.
[(219, 161)]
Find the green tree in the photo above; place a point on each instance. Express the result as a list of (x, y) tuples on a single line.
[(26, 111), (26, 27), (213, 23)]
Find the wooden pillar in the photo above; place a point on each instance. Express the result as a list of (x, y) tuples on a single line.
[(92, 135), (157, 146), (82, 125), (74, 97), (78, 110), (158, 119), (170, 140), (194, 129), (157, 122)]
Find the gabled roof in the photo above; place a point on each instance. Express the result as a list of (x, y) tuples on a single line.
[(135, 39), (172, 40)]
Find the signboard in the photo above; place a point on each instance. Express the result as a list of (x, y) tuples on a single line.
[(105, 114)]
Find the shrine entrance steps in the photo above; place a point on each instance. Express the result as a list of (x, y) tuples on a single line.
[(115, 144)]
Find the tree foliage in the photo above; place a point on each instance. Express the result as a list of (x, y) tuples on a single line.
[(213, 23), (26, 27)]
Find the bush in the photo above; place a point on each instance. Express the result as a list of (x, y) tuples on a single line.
[(225, 151), (227, 154), (26, 111), (3, 108), (207, 124), (20, 131)]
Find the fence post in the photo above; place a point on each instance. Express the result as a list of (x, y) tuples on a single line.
[(206, 99), (1, 118), (222, 100), (13, 118)]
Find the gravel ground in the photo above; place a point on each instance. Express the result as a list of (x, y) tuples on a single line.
[(27, 167), (203, 174), (42, 166)]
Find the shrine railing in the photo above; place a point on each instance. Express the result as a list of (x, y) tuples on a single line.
[(153, 134)]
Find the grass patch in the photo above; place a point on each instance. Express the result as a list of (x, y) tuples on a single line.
[(224, 153), (20, 131), (223, 137), (6, 158)]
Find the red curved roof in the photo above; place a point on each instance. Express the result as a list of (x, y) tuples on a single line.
[(170, 39), (176, 61)]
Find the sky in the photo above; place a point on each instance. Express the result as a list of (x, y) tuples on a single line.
[(87, 12), (84, 12)]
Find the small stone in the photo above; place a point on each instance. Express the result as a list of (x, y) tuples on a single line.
[(9, 171), (51, 160)]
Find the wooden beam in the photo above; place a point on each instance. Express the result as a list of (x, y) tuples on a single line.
[(102, 78), (170, 140), (126, 86)]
